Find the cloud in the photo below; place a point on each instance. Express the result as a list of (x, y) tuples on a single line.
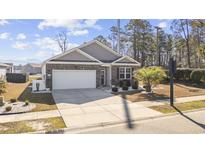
[(43, 54), (21, 45), (92, 23), (78, 32), (4, 36), (70, 24), (46, 43), (51, 44), (37, 35), (162, 24), (21, 36), (3, 22)]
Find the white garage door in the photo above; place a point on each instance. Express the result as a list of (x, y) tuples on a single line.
[(74, 79)]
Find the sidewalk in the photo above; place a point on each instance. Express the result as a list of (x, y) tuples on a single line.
[(165, 101), (29, 116), (104, 112)]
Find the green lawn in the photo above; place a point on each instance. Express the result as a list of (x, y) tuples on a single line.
[(43, 101), (22, 92), (179, 107), (47, 124)]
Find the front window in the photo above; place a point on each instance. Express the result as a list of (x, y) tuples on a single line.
[(125, 73), (128, 73), (122, 73)]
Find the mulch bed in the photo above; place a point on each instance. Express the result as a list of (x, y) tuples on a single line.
[(162, 92)]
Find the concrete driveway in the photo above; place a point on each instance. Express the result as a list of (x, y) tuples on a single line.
[(88, 107)]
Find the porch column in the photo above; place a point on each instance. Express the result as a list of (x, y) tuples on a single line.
[(110, 75)]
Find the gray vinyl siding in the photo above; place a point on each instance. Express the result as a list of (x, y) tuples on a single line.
[(74, 56), (100, 53)]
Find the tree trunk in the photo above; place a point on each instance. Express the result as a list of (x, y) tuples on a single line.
[(134, 44), (188, 53), (158, 52), (143, 56), (187, 42)]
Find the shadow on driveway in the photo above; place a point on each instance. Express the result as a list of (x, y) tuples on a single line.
[(129, 120)]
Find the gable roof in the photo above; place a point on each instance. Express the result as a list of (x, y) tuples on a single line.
[(116, 57), (34, 65), (102, 45), (100, 51), (4, 65), (75, 50), (125, 58)]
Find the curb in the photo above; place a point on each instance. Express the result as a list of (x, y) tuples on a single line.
[(61, 131)]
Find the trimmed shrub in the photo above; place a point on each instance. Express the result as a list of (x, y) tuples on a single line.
[(197, 75), (8, 108), (2, 87), (13, 100), (26, 103), (1, 100), (17, 77), (114, 89), (125, 88), (125, 85), (183, 74), (203, 77), (134, 84), (126, 82)]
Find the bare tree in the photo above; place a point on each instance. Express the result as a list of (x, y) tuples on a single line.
[(62, 40), (181, 28)]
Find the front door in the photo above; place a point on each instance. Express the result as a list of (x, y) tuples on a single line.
[(102, 77)]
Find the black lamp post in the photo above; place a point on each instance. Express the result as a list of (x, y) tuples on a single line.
[(172, 71)]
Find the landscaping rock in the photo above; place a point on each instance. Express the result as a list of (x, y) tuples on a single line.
[(17, 107)]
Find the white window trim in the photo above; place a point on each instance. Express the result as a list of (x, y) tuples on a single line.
[(125, 68)]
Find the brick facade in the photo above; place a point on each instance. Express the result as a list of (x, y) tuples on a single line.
[(50, 67), (115, 69)]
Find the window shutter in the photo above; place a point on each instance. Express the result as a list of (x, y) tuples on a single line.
[(132, 73), (118, 73)]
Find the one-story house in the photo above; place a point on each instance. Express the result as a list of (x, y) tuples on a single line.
[(89, 65), (5, 68), (31, 68)]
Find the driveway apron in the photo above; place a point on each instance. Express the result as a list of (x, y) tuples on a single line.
[(91, 107)]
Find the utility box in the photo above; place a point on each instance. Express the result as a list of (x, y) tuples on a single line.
[(38, 85)]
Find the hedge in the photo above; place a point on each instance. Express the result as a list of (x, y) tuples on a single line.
[(17, 77), (124, 82), (196, 76), (183, 74)]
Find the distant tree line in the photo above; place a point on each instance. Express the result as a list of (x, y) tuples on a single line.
[(152, 46)]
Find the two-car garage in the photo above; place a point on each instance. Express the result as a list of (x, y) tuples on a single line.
[(73, 79)]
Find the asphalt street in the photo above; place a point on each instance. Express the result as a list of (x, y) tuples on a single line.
[(183, 123)]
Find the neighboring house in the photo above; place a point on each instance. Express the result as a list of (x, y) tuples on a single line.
[(31, 69), (5, 68), (18, 68), (90, 65)]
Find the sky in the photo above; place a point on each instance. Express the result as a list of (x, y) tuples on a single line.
[(32, 41)]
